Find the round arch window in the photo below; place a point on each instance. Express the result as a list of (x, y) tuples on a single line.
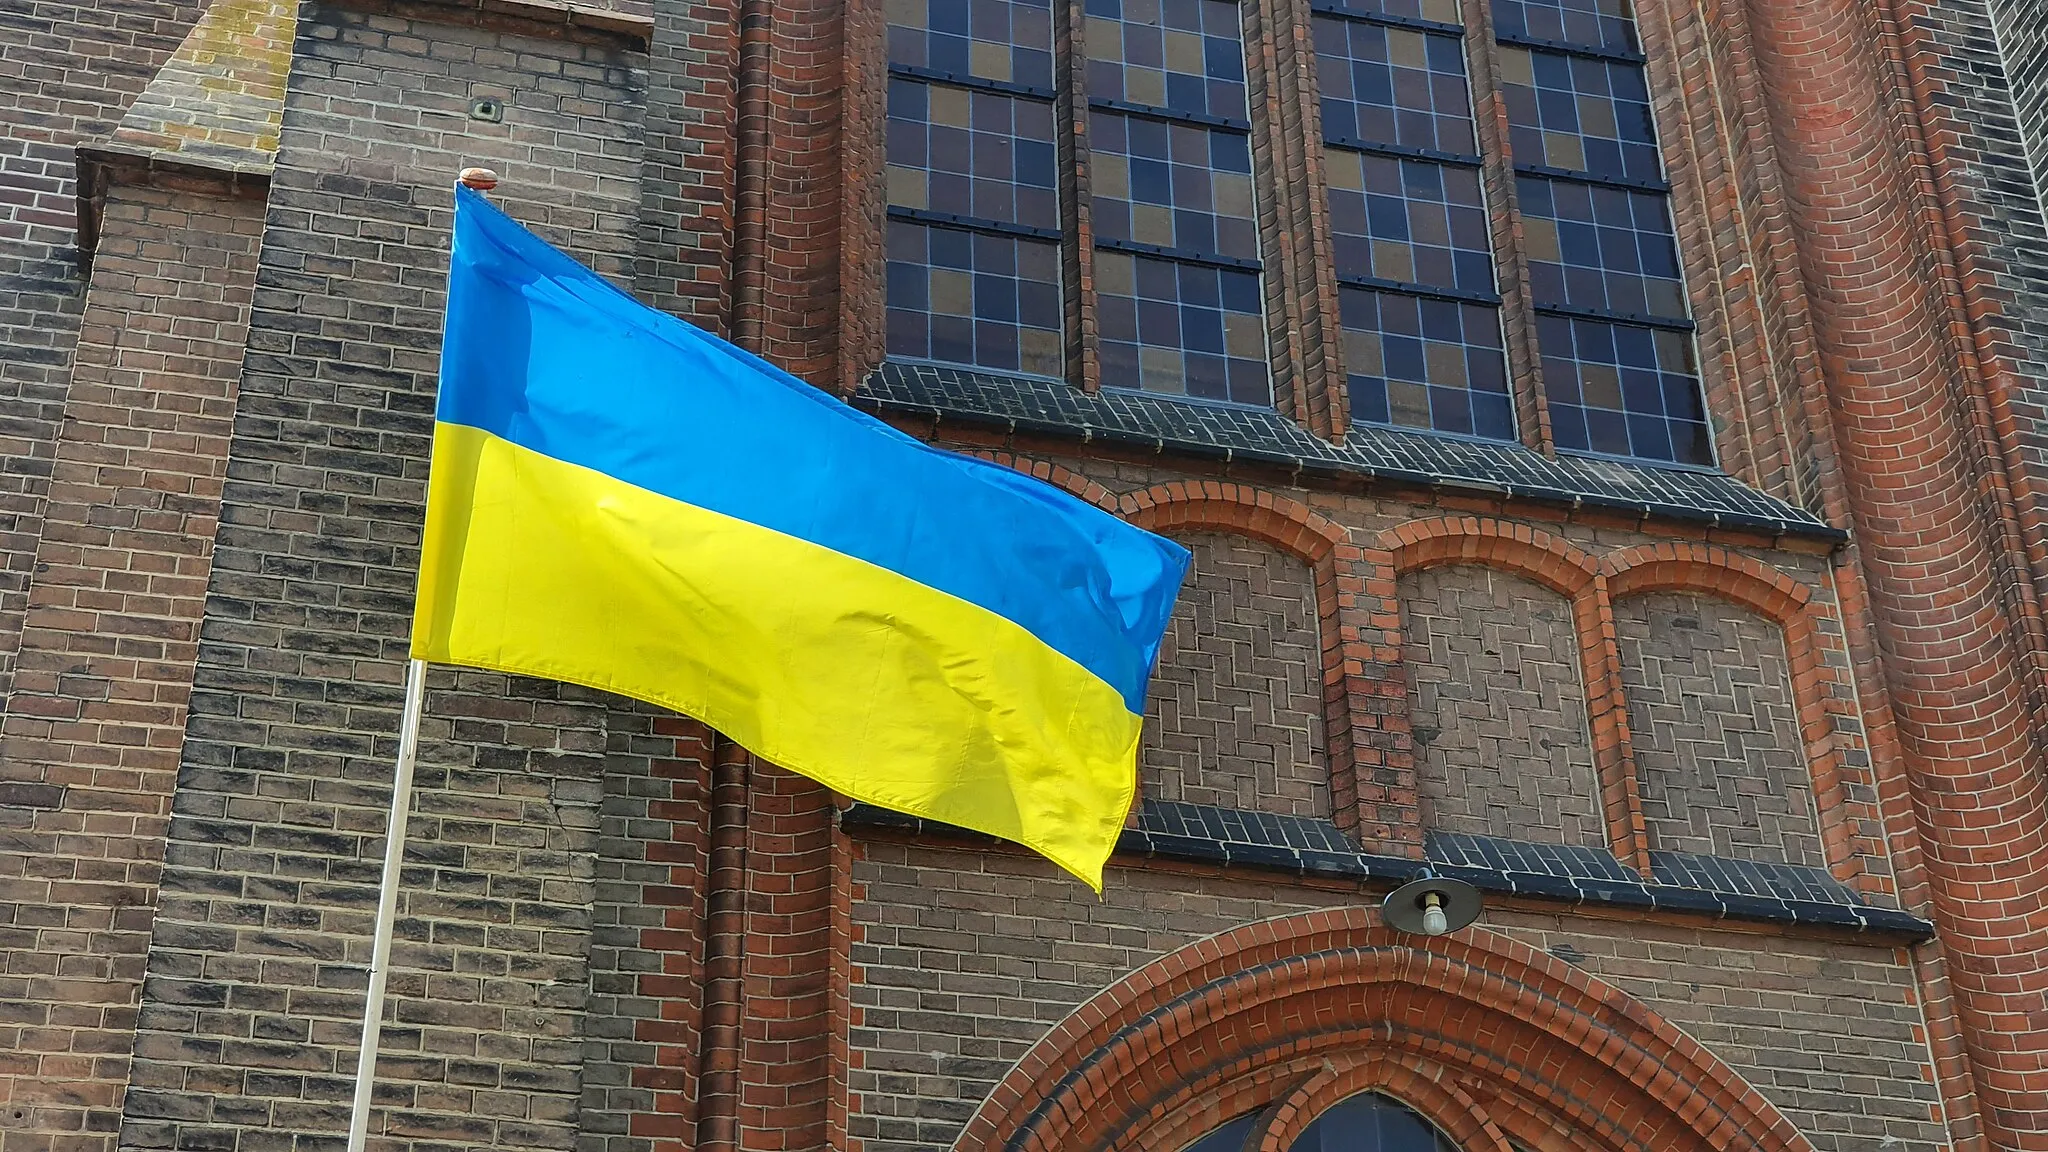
[(1367, 1122)]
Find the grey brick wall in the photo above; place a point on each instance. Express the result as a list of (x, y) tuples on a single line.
[(248, 1024), (1236, 710), (2020, 28), (964, 959), (67, 72), (1721, 764), (1986, 64), (1497, 702), (642, 1031)]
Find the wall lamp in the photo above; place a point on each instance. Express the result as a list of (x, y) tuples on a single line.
[(1431, 906)]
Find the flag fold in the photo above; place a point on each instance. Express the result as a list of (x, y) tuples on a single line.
[(623, 501)]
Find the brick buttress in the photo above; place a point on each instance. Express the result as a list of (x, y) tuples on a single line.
[(1953, 652)]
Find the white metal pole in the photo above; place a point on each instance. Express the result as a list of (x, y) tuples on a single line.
[(387, 902)]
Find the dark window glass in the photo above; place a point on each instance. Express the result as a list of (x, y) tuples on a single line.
[(1411, 360), (1417, 362), (1601, 247), (1368, 1122), (1602, 24), (1184, 56), (1173, 185), (1371, 1123), (1177, 280), (1182, 327), (1443, 12), (1008, 41), (977, 152), (972, 153), (1399, 86), (1579, 114), (1624, 390), (1409, 221), (975, 298), (1596, 225)]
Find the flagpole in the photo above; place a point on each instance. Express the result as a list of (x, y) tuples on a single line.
[(387, 902), (483, 180)]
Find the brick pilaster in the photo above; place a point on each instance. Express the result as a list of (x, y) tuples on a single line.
[(90, 737)]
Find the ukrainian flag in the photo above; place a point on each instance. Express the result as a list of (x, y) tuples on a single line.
[(623, 501)]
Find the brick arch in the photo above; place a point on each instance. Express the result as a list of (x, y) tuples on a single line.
[(1324, 545), (1528, 552), (1575, 574), (1748, 583), (1333, 983), (1292, 527), (1418, 1084), (1717, 572), (1239, 508), (1057, 475), (1249, 1089)]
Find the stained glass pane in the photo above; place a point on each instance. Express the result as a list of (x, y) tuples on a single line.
[(974, 298), (1397, 86), (1006, 40), (1593, 246), (1174, 185), (1183, 329), (1414, 362), (972, 153), (1579, 114), (1624, 390), (1181, 55), (1411, 221), (1603, 24), (1435, 11), (1370, 1122)]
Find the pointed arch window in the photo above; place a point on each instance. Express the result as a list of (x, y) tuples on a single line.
[(1367, 1122)]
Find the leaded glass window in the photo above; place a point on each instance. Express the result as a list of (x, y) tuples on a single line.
[(1412, 244), (1620, 376), (1177, 268), (1125, 192), (972, 251), (1412, 239)]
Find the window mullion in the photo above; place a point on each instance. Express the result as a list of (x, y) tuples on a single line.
[(1077, 250), (1301, 290), (1511, 260)]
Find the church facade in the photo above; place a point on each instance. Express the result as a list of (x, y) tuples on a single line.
[(1612, 439)]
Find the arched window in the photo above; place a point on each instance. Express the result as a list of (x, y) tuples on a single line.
[(1367, 1122)]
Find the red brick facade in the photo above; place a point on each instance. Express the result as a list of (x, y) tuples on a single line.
[(1749, 766)]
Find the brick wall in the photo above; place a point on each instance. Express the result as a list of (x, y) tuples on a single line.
[(642, 1027), (1716, 732), (1497, 706), (963, 960), (90, 736), (1235, 716), (1382, 548), (248, 1025), (2022, 38), (67, 71)]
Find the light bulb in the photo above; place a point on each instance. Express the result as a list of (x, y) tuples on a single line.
[(1433, 922)]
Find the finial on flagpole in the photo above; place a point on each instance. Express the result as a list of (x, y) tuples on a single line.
[(481, 179)]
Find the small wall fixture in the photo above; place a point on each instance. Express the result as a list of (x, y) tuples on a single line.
[(1431, 906)]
